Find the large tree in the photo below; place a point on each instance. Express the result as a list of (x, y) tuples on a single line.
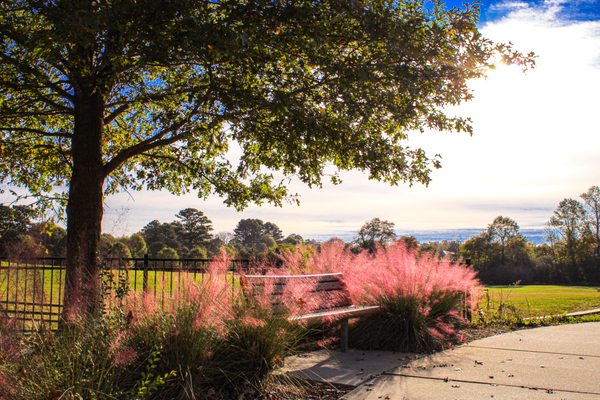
[(376, 232), (98, 96), (158, 235), (255, 235), (501, 231), (15, 222), (500, 255), (569, 223), (196, 228), (591, 200)]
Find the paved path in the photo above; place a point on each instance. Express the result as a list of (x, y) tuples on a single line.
[(351, 368), (558, 362)]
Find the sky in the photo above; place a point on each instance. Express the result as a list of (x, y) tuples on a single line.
[(536, 141)]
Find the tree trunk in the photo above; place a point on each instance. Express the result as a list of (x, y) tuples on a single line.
[(84, 209)]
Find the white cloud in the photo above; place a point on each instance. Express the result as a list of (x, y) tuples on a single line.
[(509, 5), (536, 141), (546, 12)]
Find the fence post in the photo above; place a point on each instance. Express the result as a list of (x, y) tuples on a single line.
[(145, 280), (468, 298)]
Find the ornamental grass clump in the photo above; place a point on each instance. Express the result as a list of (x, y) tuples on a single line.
[(421, 297), (255, 343), (219, 345), (81, 361), (87, 358), (185, 327), (203, 341)]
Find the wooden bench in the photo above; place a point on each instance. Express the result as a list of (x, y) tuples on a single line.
[(325, 295)]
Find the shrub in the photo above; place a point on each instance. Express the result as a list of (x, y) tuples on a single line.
[(411, 324)]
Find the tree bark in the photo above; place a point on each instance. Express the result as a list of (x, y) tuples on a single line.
[(85, 209)]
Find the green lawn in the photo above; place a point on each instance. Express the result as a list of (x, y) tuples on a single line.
[(537, 300)]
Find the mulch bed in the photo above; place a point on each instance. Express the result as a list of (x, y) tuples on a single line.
[(284, 389), (475, 333)]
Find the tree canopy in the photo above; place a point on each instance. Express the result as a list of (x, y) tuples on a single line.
[(196, 228), (98, 96), (14, 222), (375, 232), (500, 254), (255, 236), (591, 200), (298, 85)]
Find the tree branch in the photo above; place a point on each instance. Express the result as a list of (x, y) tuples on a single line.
[(182, 164), (38, 131), (151, 143), (110, 117), (140, 148), (26, 69)]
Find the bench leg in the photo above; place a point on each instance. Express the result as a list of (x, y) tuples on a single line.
[(344, 335)]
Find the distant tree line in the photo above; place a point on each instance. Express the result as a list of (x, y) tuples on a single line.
[(188, 236), (500, 254), (571, 255), (21, 235)]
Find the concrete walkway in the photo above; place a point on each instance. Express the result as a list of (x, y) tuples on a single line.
[(558, 362)]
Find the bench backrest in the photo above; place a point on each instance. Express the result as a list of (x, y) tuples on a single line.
[(314, 292)]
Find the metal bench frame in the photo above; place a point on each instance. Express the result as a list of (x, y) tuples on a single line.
[(331, 282)]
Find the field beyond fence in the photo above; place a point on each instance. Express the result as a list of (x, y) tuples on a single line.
[(543, 300), (31, 291)]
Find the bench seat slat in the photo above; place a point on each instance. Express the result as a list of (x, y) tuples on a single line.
[(343, 312), (324, 301)]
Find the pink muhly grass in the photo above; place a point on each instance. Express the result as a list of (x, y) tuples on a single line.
[(426, 289), (393, 271), (141, 307), (214, 296), (253, 322), (333, 256), (296, 261), (9, 339), (210, 301), (125, 356), (6, 387), (118, 342), (326, 342), (388, 272)]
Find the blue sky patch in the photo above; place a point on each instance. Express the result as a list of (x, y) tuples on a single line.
[(570, 10)]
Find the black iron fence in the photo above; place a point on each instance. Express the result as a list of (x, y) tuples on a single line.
[(31, 291)]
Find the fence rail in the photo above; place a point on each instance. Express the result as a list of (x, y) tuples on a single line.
[(31, 291)]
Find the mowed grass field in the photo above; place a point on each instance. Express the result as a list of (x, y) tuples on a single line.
[(538, 300)]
